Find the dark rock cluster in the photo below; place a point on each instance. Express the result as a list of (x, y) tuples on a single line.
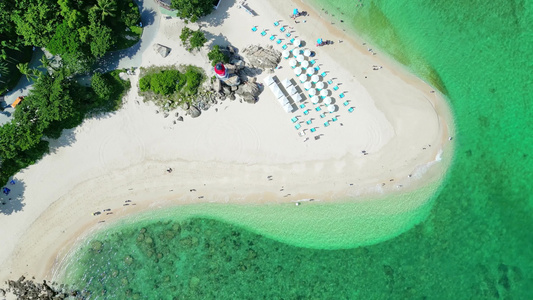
[(29, 289)]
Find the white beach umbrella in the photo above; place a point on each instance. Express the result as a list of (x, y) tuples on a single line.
[(332, 108), (315, 99), (286, 83), (324, 93), (286, 54), (307, 52), (328, 100), (293, 62), (297, 97), (315, 78), (305, 64), (320, 85), (298, 71), (307, 85), (292, 90), (288, 107), (310, 71), (303, 78), (283, 100), (268, 80), (312, 92), (297, 42), (300, 58), (277, 92)]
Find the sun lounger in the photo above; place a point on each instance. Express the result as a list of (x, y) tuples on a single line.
[(302, 105), (346, 103), (292, 40), (284, 47), (309, 122), (294, 120), (333, 119), (323, 74), (326, 124), (335, 88), (341, 95), (297, 126), (318, 108), (306, 112), (288, 34), (263, 33), (312, 62), (317, 68), (282, 29), (350, 109), (278, 41), (272, 37), (276, 23), (313, 129), (254, 29), (330, 81), (322, 116)]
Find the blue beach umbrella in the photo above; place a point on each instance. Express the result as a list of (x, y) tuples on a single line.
[(295, 11), (319, 41)]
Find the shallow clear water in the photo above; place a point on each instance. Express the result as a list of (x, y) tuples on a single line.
[(476, 241)]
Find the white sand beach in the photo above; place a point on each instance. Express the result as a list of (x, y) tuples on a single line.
[(227, 154)]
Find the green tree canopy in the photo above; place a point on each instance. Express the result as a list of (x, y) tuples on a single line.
[(101, 41), (36, 20), (192, 9), (101, 86), (215, 55), (198, 39)]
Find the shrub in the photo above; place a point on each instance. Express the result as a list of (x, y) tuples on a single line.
[(198, 39), (101, 86), (215, 55), (186, 33)]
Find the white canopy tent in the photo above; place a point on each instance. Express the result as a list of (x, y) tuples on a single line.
[(268, 80), (286, 83), (292, 90)]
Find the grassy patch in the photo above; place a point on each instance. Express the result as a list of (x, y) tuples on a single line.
[(128, 38)]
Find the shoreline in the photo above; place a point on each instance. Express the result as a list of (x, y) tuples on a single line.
[(320, 171)]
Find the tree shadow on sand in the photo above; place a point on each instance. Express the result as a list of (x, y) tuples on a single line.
[(13, 202), (217, 17)]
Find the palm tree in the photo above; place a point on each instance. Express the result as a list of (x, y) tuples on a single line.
[(25, 70), (106, 8)]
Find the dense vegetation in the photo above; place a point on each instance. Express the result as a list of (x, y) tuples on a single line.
[(192, 39), (55, 102), (79, 31), (175, 85), (192, 10)]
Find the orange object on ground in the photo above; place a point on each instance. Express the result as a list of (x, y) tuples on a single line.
[(16, 102)]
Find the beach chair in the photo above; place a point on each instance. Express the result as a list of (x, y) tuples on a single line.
[(276, 23), (326, 124), (272, 37), (297, 126), (350, 109), (292, 40), (317, 68), (282, 29), (306, 112), (322, 116), (323, 74), (279, 42), (302, 105), (341, 95), (284, 47), (335, 88), (313, 129), (330, 81), (346, 103), (318, 108), (263, 33), (294, 120), (288, 34), (333, 119), (254, 29), (309, 122), (312, 62)]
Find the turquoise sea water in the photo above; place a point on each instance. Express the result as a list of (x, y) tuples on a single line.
[(475, 243)]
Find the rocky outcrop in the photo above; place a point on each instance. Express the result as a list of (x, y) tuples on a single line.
[(194, 112), (259, 57), (28, 289), (248, 92), (162, 50)]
